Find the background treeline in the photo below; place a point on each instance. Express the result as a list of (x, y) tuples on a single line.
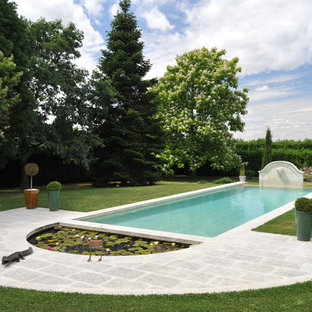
[(101, 127), (296, 152), (52, 167)]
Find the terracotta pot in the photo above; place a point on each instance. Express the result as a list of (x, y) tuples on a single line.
[(31, 198)]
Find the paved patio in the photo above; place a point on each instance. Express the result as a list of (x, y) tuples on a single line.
[(236, 260)]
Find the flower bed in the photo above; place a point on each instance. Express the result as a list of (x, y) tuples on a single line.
[(307, 174)]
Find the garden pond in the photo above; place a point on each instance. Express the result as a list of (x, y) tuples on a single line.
[(77, 241)]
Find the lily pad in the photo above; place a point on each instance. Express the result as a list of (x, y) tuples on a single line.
[(69, 240)]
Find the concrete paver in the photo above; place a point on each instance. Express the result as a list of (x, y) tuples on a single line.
[(236, 260)]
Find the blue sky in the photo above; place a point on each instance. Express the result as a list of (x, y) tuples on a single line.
[(272, 38)]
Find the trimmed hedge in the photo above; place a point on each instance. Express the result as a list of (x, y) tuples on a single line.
[(52, 167), (297, 152)]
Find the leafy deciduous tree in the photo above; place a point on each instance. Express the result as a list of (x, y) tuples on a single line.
[(200, 108), (14, 41), (60, 89), (9, 78)]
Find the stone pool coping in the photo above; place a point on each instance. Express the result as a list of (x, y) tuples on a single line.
[(153, 234), (236, 260)]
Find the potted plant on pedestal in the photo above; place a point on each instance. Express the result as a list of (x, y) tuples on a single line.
[(242, 172), (54, 189), (31, 195), (303, 214)]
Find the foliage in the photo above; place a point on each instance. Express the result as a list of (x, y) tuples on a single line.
[(200, 108), (303, 204), (54, 186), (60, 89), (223, 180), (77, 241), (296, 152), (267, 153), (19, 121), (307, 174), (31, 169), (52, 114), (242, 170), (123, 114), (9, 78)]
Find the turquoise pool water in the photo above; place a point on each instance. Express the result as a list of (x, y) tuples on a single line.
[(209, 214)]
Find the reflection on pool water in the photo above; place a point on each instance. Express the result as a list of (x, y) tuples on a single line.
[(209, 214)]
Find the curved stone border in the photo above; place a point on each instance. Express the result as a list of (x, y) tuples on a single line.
[(236, 260)]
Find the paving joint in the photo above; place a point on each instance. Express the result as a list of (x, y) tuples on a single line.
[(236, 260)]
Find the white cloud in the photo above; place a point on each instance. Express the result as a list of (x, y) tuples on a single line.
[(262, 88), (68, 11), (287, 119), (273, 79), (264, 93), (50, 10), (113, 9), (156, 20), (266, 35), (93, 7), (162, 51)]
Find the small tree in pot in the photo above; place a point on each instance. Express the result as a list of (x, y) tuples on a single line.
[(54, 189), (303, 214), (242, 172), (31, 195)]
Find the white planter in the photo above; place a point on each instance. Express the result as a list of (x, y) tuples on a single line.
[(242, 178)]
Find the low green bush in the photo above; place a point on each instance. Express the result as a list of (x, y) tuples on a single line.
[(251, 173), (223, 180), (303, 204), (54, 186)]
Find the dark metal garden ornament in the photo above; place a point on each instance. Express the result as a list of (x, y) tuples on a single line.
[(95, 243), (16, 256)]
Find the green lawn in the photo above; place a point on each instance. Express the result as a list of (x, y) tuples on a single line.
[(84, 197), (296, 297), (283, 224)]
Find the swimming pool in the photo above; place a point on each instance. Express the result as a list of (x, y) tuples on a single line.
[(209, 214)]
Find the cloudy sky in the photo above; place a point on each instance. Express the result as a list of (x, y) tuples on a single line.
[(272, 38)]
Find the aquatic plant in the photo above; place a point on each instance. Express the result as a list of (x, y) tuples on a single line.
[(71, 240)]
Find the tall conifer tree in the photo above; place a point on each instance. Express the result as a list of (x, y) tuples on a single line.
[(124, 112), (267, 153)]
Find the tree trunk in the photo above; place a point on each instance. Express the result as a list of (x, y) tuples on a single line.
[(24, 183)]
